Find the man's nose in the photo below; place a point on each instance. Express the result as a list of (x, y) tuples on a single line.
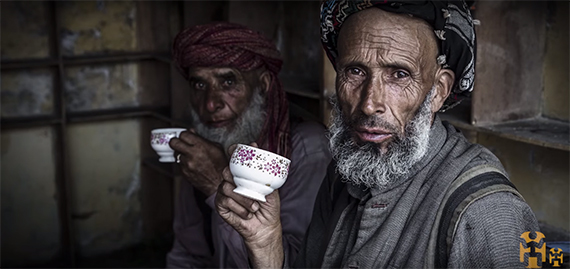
[(214, 101), (372, 97)]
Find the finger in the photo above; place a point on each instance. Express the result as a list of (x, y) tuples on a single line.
[(227, 175), (272, 200), (177, 144), (190, 137), (254, 144), (192, 130), (226, 202), (228, 190), (231, 217), (231, 149)]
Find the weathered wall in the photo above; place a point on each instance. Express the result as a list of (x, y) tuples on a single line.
[(108, 192), (105, 173), (27, 93), (25, 32), (101, 87), (89, 27), (556, 72), (541, 174), (30, 224)]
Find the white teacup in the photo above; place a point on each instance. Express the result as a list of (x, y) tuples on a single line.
[(159, 139), (257, 172)]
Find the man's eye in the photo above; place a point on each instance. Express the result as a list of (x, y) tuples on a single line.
[(355, 71), (199, 85), (401, 74), (229, 82)]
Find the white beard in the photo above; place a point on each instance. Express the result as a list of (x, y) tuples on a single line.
[(366, 164), (245, 130)]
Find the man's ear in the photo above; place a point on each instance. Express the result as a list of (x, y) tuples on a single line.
[(265, 81), (444, 79)]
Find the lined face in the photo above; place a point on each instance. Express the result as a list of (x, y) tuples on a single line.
[(386, 66), (220, 95)]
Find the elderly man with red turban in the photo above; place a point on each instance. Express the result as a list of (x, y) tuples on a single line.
[(236, 97)]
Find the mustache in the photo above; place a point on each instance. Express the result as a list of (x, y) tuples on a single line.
[(373, 121)]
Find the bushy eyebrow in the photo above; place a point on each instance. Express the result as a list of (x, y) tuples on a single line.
[(361, 65), (351, 63), (226, 76), (399, 65)]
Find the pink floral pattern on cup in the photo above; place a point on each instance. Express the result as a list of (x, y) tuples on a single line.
[(245, 155), (272, 165), (273, 168), (161, 138)]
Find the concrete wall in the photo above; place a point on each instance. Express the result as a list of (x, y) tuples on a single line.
[(27, 93), (556, 72), (95, 27), (30, 223), (113, 204), (25, 32), (541, 174), (101, 87), (104, 161)]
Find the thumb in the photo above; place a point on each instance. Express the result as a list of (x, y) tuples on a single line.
[(231, 149)]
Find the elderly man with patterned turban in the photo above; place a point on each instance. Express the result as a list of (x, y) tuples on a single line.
[(405, 189), (236, 97)]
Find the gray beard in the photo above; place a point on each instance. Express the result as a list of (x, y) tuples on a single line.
[(246, 129), (366, 164)]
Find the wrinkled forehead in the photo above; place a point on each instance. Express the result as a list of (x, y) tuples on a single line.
[(385, 30), (214, 72)]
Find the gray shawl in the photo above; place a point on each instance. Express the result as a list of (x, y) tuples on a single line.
[(389, 227)]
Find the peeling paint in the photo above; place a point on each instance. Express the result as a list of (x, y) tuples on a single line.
[(68, 39), (26, 93), (24, 30), (102, 87), (96, 33), (98, 27)]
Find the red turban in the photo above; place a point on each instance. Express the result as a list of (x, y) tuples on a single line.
[(224, 44)]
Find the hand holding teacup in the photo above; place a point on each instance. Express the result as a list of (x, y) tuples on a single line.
[(200, 160), (257, 172), (259, 223), (159, 139)]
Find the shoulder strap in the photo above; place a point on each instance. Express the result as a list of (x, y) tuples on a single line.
[(469, 187)]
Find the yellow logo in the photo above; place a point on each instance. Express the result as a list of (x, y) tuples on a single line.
[(538, 249), (555, 257)]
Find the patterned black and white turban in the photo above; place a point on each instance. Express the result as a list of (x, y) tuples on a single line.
[(452, 24)]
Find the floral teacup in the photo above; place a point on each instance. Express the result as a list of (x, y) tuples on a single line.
[(159, 139), (257, 172)]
